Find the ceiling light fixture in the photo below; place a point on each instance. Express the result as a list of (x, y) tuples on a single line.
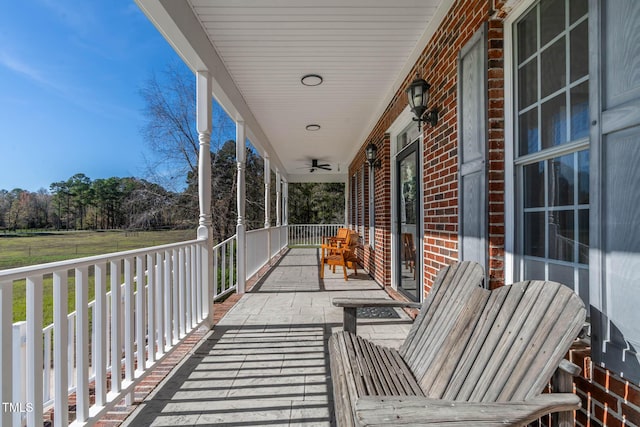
[(313, 127), (311, 80)]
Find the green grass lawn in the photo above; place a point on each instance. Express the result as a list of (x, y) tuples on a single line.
[(17, 250)]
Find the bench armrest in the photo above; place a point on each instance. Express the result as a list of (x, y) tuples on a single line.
[(373, 302), (351, 306), (569, 368), (421, 411)]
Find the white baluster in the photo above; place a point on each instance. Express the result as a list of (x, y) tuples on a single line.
[(34, 350), (116, 326), (82, 344), (182, 306), (151, 299), (6, 347), (141, 314), (100, 337), (129, 329), (60, 349), (160, 302)]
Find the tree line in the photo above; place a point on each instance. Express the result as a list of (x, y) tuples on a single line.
[(80, 203)]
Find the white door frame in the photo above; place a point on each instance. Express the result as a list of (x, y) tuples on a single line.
[(404, 120)]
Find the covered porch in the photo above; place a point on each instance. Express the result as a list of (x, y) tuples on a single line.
[(507, 168), (266, 361)]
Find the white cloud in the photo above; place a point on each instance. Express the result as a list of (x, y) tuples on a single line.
[(83, 97), (19, 66)]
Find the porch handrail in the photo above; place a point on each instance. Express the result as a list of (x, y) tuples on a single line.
[(311, 234), (155, 318)]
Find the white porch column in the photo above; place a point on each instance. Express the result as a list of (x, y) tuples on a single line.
[(267, 193), (285, 210), (205, 231), (285, 206), (267, 204), (241, 228), (278, 199), (346, 202)]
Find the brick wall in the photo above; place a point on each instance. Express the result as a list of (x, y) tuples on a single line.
[(607, 398), (438, 66)]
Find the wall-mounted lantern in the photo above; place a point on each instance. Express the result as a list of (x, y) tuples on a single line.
[(372, 153), (418, 94)]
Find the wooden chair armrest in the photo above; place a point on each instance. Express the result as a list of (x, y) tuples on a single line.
[(373, 302), (334, 249), (332, 240), (569, 368), (421, 411), (351, 305)]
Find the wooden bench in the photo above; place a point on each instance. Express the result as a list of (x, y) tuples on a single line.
[(472, 356)]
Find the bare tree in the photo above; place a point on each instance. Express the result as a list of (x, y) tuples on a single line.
[(170, 129)]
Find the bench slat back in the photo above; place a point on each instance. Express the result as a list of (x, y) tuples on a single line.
[(431, 333), (522, 335), (472, 344)]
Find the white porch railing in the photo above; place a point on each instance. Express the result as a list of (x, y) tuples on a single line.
[(311, 234), (224, 268), (157, 296), (50, 363)]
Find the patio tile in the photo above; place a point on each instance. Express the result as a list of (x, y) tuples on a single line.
[(266, 361), (253, 412)]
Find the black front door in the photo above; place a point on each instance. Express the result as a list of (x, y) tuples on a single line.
[(407, 163)]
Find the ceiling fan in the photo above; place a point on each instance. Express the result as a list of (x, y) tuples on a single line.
[(315, 164)]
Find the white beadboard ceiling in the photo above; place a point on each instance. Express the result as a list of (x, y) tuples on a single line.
[(361, 48)]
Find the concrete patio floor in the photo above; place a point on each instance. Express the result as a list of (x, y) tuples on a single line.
[(266, 362)]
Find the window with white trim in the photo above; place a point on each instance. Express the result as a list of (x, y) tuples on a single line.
[(552, 143)]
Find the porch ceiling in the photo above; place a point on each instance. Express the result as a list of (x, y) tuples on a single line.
[(258, 50)]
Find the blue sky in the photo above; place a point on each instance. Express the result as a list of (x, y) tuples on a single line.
[(70, 75)]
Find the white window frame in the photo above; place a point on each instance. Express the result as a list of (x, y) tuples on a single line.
[(519, 8)]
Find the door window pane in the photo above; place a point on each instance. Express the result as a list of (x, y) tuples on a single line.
[(579, 50), (528, 84), (580, 111), (583, 177), (561, 235), (534, 234), (551, 20), (528, 129), (534, 270), (554, 122), (528, 32), (553, 68), (583, 236), (561, 185), (577, 9), (533, 189), (561, 273)]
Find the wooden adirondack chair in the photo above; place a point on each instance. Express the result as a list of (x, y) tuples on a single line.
[(340, 255), (473, 356), (339, 239)]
